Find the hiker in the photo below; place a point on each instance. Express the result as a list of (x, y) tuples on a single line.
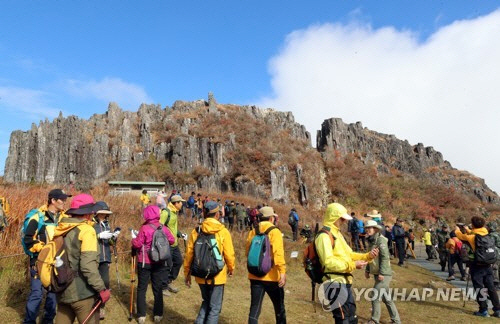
[(231, 214), (169, 218), (106, 239), (221, 212), (39, 230), (293, 221), (307, 234), (4, 213), (453, 246), (442, 238), (339, 262), (199, 206), (353, 229), (273, 282), (241, 214), (191, 204), (80, 239), (481, 274), (212, 289), (411, 239), (492, 229), (160, 199), (145, 199), (380, 268), (146, 268), (428, 243), (398, 234), (362, 235)]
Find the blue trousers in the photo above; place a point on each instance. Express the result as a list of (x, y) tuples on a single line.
[(211, 305), (35, 299)]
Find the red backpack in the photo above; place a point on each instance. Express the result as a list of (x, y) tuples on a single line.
[(458, 245)]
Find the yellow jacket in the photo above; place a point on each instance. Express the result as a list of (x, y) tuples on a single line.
[(145, 199), (471, 235), (225, 244), (5, 205), (427, 238), (340, 259), (276, 241)]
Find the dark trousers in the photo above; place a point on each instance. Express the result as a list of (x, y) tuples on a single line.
[(258, 289), (104, 272), (157, 274), (443, 258), (346, 314), (452, 259), (355, 241), (400, 247), (176, 265), (295, 231), (482, 277), (230, 220), (428, 250), (35, 299), (362, 239), (211, 306)]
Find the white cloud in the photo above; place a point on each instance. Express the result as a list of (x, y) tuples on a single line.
[(31, 103), (442, 91), (109, 89)]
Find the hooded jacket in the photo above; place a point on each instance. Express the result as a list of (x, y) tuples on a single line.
[(278, 252), (104, 245), (340, 259), (81, 247), (225, 244), (381, 265), (144, 238), (172, 222), (470, 235)]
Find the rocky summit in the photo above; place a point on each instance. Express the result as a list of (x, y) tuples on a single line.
[(204, 145)]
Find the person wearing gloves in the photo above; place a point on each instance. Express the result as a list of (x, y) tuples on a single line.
[(78, 299), (146, 269), (106, 238), (380, 268), (212, 290), (169, 218), (340, 262)]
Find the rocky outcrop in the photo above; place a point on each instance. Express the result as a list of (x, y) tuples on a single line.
[(388, 153)]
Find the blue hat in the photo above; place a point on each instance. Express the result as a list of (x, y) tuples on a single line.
[(212, 206)]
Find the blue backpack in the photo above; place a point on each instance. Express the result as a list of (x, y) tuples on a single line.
[(259, 261), (27, 218), (361, 226), (190, 202)]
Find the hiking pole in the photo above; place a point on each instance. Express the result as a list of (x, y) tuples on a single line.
[(97, 304), (116, 268), (313, 294), (466, 285), (132, 281)]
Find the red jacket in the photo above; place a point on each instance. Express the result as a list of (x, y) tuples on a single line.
[(143, 241)]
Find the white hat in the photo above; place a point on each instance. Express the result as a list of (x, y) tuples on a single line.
[(372, 223), (374, 213)]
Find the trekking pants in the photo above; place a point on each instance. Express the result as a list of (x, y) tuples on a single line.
[(66, 313), (295, 231), (428, 250), (157, 273), (346, 314), (482, 277), (452, 259), (211, 305), (443, 258), (383, 293), (496, 272), (35, 300), (258, 289), (355, 241), (104, 272), (400, 248), (176, 264)]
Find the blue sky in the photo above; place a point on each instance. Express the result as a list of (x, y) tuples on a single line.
[(77, 56)]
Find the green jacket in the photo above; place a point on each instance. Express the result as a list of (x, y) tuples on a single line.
[(381, 265), (241, 212), (172, 222), (442, 238), (81, 246)]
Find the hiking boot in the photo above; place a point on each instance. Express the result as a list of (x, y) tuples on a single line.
[(166, 293), (102, 313), (463, 279), (158, 319), (482, 314), (496, 313), (172, 288), (450, 278), (141, 320)]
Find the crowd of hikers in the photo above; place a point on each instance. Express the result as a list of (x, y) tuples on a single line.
[(70, 253)]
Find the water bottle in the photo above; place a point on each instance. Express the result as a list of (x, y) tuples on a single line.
[(59, 262)]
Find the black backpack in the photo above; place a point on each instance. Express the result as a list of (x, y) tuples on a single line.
[(291, 219), (207, 259), (160, 247), (485, 253)]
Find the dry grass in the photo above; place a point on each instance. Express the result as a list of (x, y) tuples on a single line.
[(183, 307)]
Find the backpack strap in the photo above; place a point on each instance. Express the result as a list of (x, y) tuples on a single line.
[(156, 228), (269, 229), (168, 218), (326, 230)]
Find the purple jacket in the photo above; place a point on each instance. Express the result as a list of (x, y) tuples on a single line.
[(143, 241)]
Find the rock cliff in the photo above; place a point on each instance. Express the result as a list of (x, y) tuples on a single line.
[(210, 146)]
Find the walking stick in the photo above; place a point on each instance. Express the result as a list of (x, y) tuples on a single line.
[(313, 294), (132, 282), (97, 304), (466, 285), (116, 268)]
